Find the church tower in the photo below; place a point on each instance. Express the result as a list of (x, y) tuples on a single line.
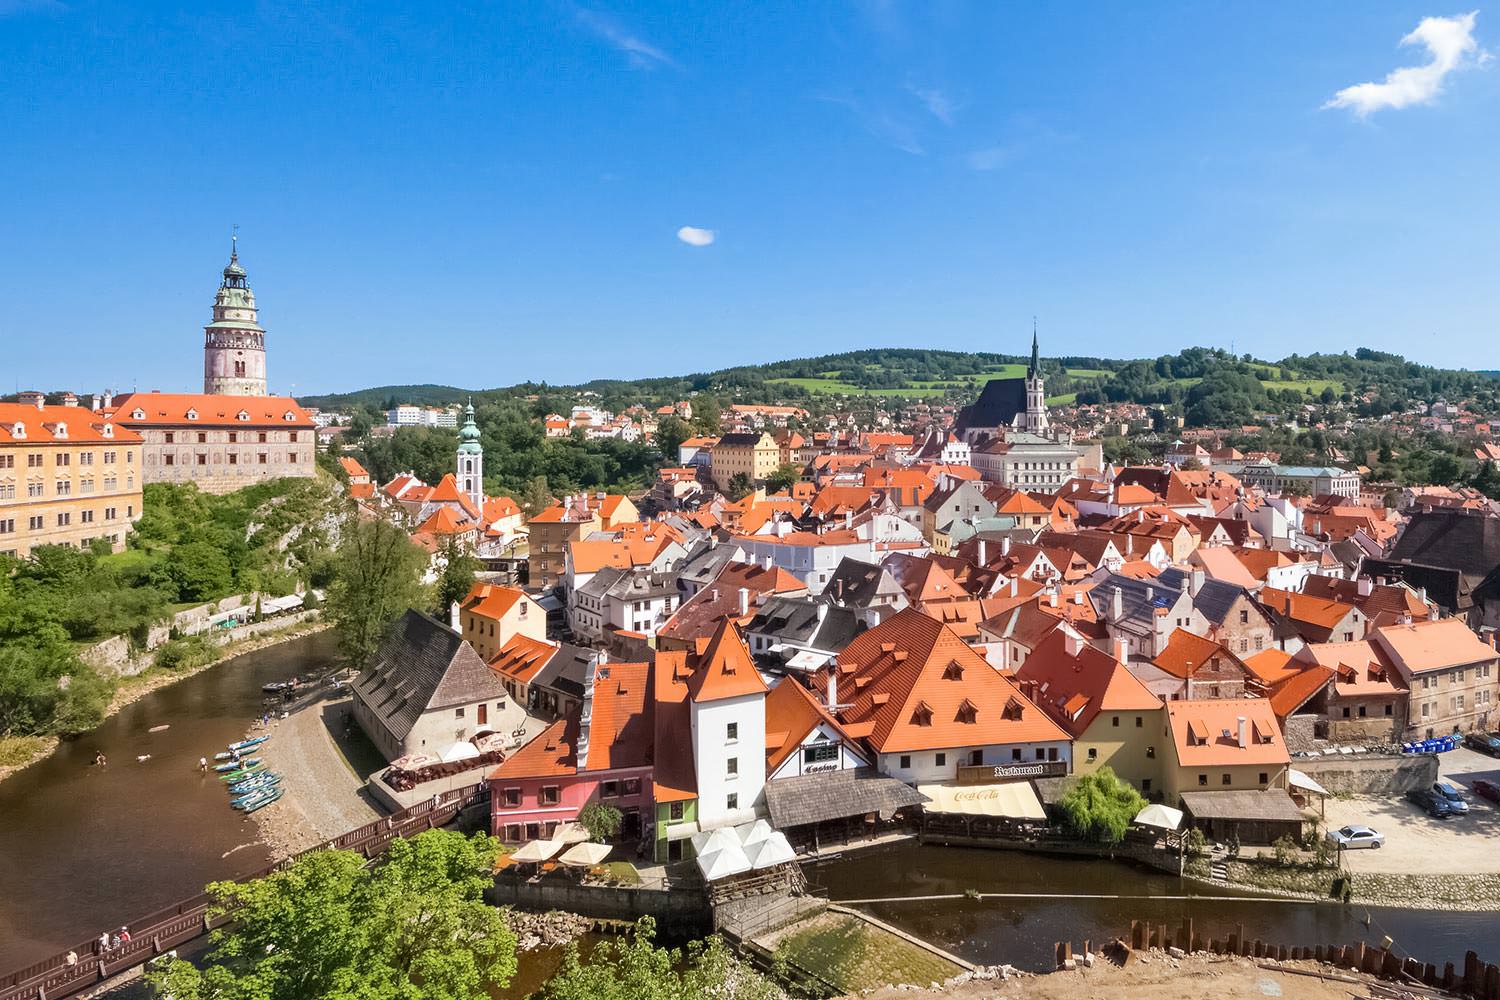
[(1034, 420), (471, 460), (234, 345)]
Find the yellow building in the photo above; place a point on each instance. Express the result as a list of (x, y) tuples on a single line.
[(755, 454), (1114, 720), (1222, 745), (574, 517), (490, 616), (68, 476)]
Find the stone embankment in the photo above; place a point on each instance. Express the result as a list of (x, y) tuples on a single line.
[(551, 929)]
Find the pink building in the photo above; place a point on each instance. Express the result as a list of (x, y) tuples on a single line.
[(600, 751)]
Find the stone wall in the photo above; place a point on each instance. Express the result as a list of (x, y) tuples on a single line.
[(680, 909), (1300, 732), (117, 656), (1370, 774)]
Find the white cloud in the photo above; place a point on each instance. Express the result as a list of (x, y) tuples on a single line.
[(935, 101), (642, 54), (695, 237), (1449, 41)]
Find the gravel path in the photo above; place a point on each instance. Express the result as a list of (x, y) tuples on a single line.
[(324, 797)]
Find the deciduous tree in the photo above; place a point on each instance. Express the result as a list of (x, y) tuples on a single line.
[(377, 576), (1100, 806)]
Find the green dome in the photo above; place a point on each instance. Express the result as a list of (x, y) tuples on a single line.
[(468, 436)]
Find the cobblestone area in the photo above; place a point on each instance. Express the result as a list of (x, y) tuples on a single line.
[(324, 794)]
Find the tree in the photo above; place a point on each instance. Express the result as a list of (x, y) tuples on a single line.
[(200, 571), (782, 479), (1445, 469), (1100, 806), (740, 486), (601, 820), (632, 968), (1191, 465), (412, 927), (457, 578), (537, 497), (670, 433), (377, 574)]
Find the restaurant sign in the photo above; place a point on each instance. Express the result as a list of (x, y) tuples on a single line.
[(1017, 771)]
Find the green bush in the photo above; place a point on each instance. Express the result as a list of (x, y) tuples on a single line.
[(186, 653)]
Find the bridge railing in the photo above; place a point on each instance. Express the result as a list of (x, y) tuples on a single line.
[(161, 931)]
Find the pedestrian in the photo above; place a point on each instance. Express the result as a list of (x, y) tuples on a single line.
[(124, 935), (71, 958), (203, 764), (114, 942), (103, 942)]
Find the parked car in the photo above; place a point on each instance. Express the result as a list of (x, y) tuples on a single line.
[(1431, 803), (1488, 790), (1354, 837), (1483, 742), (1453, 794)]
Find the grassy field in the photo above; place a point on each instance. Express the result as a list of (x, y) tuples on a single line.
[(834, 382), (856, 956)]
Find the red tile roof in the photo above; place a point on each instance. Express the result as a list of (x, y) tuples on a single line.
[(1206, 732), (161, 409), (60, 425), (1074, 681), (724, 670)]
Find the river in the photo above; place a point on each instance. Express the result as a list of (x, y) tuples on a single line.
[(83, 848), (1023, 931)]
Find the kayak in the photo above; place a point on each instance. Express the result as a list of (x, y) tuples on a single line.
[(241, 774), (235, 765), (250, 798), (254, 741), (259, 803), (277, 687), (254, 782)]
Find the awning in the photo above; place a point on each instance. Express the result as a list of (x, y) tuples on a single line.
[(1298, 779), (585, 855), (759, 830), (681, 831), (461, 750), (1159, 816), (1013, 800), (535, 851), (715, 840)]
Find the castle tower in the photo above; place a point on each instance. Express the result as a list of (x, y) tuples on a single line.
[(1034, 420), (470, 470), (234, 345)]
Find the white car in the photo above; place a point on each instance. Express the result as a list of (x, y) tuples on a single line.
[(1352, 837)]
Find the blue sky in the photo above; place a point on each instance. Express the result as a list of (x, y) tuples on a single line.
[(490, 195)]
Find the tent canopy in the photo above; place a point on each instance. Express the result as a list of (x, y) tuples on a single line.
[(710, 841), (536, 851), (1160, 816), (774, 850), (585, 855), (462, 750), (723, 863), (1013, 800), (1298, 779)]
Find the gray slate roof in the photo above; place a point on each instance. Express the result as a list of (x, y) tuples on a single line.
[(566, 670), (423, 665), (997, 405), (857, 584), (1139, 598), (795, 620), (1214, 598), (814, 798)]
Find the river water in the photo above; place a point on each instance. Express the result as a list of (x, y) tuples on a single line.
[(1023, 931), (83, 848)]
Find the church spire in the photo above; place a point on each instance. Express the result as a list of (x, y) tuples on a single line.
[(1036, 363)]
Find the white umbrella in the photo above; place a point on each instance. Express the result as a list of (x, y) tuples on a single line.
[(536, 851), (569, 833), (722, 864), (754, 833), (1158, 815), (774, 850), (710, 841), (462, 750), (585, 855)]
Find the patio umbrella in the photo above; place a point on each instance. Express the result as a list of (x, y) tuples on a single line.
[(1160, 816), (536, 851), (569, 833), (585, 855), (710, 841), (774, 850), (755, 832), (721, 864)]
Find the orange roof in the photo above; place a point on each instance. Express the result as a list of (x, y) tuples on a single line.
[(402, 482), (619, 730), (522, 657), (673, 778), (161, 409), (352, 467), (60, 424), (549, 754), (1130, 493), (1270, 666), (700, 615), (837, 499), (497, 508), (1291, 693), (625, 552), (920, 687), (791, 713), (489, 600), (446, 491), (444, 521), (1320, 611), (1075, 685), (1429, 645), (1019, 503), (361, 491), (1185, 653), (725, 669), (1206, 732)]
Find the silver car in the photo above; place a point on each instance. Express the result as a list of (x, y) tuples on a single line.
[(1350, 838)]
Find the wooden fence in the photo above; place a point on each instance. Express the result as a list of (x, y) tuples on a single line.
[(86, 965)]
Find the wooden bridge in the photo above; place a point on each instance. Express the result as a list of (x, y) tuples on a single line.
[(86, 965)]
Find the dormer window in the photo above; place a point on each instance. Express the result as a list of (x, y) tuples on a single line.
[(921, 715), (242, 415), (288, 416), (18, 431), (138, 414), (1013, 711), (967, 713), (192, 414), (108, 430), (954, 671), (60, 431)]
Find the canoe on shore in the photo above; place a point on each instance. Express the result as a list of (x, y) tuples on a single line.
[(263, 801), (254, 741), (235, 765), (255, 781), (242, 773)]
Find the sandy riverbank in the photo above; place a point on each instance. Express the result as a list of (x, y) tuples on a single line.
[(131, 689)]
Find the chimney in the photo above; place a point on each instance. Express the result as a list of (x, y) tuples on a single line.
[(1366, 586), (1432, 615), (1243, 742), (109, 398), (1117, 606), (982, 561), (1014, 587), (848, 520), (94, 402), (833, 687), (744, 601), (453, 621), (1187, 582), (838, 588), (1150, 592), (1073, 643), (1199, 577), (822, 612), (713, 540), (1119, 649), (1005, 545), (1078, 596), (1051, 595), (69, 399)]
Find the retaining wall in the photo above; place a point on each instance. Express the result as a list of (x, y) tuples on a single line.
[(1370, 774), (678, 909)]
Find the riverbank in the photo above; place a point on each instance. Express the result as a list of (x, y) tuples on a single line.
[(26, 751), (1462, 893)]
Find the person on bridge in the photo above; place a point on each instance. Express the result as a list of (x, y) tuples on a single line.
[(103, 942), (124, 935)]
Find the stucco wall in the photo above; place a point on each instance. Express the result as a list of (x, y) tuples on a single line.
[(1370, 774)]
